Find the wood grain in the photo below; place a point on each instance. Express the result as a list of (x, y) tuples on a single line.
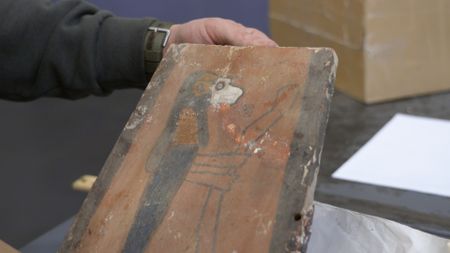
[(220, 155)]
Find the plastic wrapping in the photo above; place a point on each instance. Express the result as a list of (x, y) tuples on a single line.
[(338, 230)]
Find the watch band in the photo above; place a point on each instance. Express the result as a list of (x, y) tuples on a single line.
[(155, 41)]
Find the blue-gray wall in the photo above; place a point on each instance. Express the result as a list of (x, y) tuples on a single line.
[(248, 12)]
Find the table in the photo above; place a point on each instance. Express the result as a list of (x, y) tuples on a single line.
[(350, 126)]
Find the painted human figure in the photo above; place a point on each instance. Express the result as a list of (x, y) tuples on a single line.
[(182, 206), (176, 148)]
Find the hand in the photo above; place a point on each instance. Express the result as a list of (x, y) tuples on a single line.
[(217, 31)]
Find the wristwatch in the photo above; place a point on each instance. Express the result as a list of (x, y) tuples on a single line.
[(155, 42)]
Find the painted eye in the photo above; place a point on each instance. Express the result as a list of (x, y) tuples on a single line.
[(220, 85)]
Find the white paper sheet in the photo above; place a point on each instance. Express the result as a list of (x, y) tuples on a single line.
[(336, 230), (409, 152)]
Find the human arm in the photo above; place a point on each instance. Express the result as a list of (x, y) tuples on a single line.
[(68, 49), (72, 49)]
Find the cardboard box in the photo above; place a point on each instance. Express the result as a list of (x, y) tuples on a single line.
[(387, 49)]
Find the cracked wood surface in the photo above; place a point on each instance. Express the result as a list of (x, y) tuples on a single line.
[(220, 155)]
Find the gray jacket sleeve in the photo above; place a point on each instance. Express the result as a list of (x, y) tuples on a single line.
[(68, 48)]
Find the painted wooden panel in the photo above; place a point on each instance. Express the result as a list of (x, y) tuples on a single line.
[(220, 155)]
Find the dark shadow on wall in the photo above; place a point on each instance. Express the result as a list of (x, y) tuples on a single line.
[(45, 146)]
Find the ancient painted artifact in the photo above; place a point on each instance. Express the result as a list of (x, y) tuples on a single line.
[(220, 155)]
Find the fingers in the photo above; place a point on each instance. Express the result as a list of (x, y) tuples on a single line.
[(228, 32), (218, 31), (255, 37)]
